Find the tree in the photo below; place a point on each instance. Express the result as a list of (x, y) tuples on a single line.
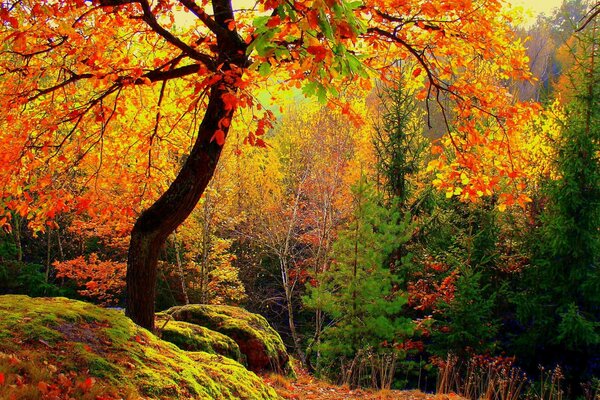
[(107, 94), (358, 292), (398, 138)]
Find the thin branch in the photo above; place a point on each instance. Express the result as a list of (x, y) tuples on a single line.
[(154, 76), (74, 78), (593, 13), (204, 17)]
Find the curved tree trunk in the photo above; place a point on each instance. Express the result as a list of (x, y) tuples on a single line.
[(156, 223)]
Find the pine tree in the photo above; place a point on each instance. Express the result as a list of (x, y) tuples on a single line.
[(398, 139), (359, 292)]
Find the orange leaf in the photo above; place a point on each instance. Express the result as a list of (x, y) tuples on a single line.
[(230, 24), (43, 387), (91, 285), (437, 149)]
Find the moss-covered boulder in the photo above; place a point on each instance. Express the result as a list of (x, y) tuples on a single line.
[(258, 341), (60, 348), (192, 337)]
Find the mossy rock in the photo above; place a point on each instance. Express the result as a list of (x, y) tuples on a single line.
[(258, 341), (190, 337), (61, 348)]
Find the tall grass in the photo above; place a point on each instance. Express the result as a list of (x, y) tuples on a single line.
[(481, 378)]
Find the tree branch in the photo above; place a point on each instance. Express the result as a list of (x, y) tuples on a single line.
[(592, 14), (156, 75), (204, 17), (149, 18)]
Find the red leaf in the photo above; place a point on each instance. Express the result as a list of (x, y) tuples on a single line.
[(224, 123), (318, 51), (219, 137), (417, 72), (230, 101), (345, 30), (87, 384), (313, 19), (274, 21), (1, 378)]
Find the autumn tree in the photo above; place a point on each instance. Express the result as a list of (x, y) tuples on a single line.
[(128, 99)]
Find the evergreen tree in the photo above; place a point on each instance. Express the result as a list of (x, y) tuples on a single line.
[(398, 139), (560, 305), (360, 294)]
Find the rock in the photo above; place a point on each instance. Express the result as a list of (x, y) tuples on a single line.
[(258, 341), (190, 337), (61, 348)]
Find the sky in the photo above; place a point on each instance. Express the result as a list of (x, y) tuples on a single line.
[(537, 6)]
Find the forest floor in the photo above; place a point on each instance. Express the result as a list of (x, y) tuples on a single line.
[(307, 387)]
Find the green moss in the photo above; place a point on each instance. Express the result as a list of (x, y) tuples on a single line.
[(192, 337), (234, 378), (125, 360), (257, 340)]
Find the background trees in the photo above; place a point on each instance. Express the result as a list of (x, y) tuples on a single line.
[(78, 87)]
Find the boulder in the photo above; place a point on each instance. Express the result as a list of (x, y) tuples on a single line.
[(258, 341), (190, 337), (61, 348)]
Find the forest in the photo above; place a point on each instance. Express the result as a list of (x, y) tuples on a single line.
[(299, 199)]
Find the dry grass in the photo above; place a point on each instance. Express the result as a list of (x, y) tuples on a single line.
[(307, 387)]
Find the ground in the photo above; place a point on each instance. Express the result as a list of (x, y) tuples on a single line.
[(307, 387)]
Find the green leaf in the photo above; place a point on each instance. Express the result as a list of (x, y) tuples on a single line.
[(354, 5), (321, 93), (264, 69), (325, 25), (261, 22), (309, 89)]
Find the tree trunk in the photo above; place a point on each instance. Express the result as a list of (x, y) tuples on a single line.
[(156, 223), (186, 299), (17, 232)]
